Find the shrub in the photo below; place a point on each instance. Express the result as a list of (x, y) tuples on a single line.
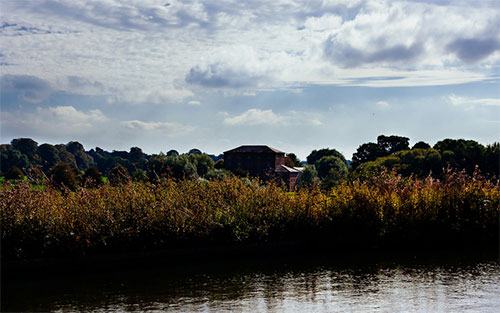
[(92, 177), (118, 175), (14, 173), (62, 176)]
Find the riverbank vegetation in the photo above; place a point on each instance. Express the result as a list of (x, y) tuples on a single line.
[(385, 209)]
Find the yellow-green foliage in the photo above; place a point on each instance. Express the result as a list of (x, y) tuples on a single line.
[(386, 208)]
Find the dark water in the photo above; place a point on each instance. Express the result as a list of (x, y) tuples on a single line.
[(466, 283)]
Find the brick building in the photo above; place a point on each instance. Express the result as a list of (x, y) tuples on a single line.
[(263, 162)]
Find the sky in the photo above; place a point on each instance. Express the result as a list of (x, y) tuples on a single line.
[(214, 75)]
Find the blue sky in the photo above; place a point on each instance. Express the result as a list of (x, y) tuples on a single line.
[(213, 75)]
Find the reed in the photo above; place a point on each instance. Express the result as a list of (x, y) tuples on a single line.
[(385, 209)]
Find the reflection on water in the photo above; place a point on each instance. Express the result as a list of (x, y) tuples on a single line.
[(278, 285)]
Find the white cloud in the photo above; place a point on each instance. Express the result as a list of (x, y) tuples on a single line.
[(55, 121), (152, 52), (253, 117), (170, 129), (194, 102), (470, 103), (69, 114), (383, 105), (256, 117)]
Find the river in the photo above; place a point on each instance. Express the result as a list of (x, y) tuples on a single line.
[(362, 283)]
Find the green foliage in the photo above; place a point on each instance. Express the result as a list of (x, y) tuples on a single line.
[(9, 157), (83, 160), (139, 175), (119, 175), (219, 165), (178, 167), (62, 176), (14, 173), (218, 174), (203, 163), (419, 162), (49, 156), (365, 153), (65, 156), (331, 169), (421, 145), (318, 154), (393, 144), (26, 146), (309, 177), (466, 154), (385, 146)]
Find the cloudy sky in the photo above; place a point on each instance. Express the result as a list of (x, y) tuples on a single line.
[(213, 75)]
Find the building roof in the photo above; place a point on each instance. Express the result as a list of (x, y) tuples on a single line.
[(256, 149), (283, 168)]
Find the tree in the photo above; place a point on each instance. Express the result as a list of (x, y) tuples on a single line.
[(62, 175), (309, 177), (386, 145), (120, 154), (421, 145), (419, 162), (392, 144), (195, 151), (14, 173), (65, 156), (49, 156), (293, 160), (92, 177), (83, 160), (9, 156), (172, 153), (203, 163), (365, 153), (178, 167), (136, 154), (218, 174), (466, 154), (26, 146), (318, 154), (219, 164), (331, 168), (491, 160)]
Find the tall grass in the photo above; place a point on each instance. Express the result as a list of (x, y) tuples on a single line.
[(386, 209)]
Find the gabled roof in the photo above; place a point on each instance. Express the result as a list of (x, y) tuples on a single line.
[(283, 169), (257, 149)]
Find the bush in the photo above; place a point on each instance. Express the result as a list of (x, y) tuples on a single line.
[(92, 177), (14, 173), (119, 176), (62, 176)]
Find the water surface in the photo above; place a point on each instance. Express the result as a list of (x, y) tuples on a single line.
[(467, 283)]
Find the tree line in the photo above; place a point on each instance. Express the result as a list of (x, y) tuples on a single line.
[(71, 164)]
